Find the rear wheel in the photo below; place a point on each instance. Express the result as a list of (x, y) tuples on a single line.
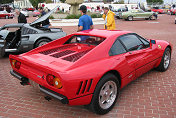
[(152, 17), (165, 61), (105, 94), (41, 42), (6, 17), (130, 18)]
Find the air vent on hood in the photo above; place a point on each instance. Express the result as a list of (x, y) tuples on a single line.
[(60, 54), (75, 57), (46, 52)]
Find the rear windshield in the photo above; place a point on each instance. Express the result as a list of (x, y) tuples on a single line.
[(91, 40)]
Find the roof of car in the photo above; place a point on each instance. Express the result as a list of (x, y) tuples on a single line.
[(103, 32), (14, 25)]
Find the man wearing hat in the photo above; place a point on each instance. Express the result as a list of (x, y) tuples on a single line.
[(85, 21)]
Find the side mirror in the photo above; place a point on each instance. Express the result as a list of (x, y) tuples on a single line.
[(152, 42)]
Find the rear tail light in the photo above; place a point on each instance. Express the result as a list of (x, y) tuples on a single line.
[(50, 79), (16, 64), (54, 81)]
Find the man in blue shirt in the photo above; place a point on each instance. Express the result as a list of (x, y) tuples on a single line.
[(85, 21)]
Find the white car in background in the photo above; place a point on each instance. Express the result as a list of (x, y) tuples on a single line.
[(25, 12)]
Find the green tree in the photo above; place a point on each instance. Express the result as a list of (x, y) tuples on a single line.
[(155, 1), (48, 1), (119, 2), (63, 1), (36, 2), (6, 1)]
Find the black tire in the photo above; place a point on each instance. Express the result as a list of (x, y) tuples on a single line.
[(162, 67), (2, 52), (6, 17), (96, 105), (41, 42), (130, 18)]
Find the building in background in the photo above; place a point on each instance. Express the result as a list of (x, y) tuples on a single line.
[(22, 4)]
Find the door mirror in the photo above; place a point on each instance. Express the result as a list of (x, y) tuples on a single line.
[(152, 42)]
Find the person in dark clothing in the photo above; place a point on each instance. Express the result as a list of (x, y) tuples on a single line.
[(46, 22), (21, 17), (126, 8)]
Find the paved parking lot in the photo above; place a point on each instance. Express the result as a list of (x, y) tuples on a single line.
[(151, 95)]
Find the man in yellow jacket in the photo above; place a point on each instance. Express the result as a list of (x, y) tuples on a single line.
[(108, 16)]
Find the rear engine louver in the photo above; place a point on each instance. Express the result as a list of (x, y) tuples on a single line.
[(75, 57), (60, 54), (46, 52), (84, 86)]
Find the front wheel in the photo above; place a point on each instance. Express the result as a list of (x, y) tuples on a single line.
[(2, 52), (41, 42), (105, 94), (165, 61)]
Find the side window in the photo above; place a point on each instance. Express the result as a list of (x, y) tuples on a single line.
[(145, 42), (131, 42), (117, 48)]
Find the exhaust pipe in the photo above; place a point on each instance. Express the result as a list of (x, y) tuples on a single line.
[(24, 81)]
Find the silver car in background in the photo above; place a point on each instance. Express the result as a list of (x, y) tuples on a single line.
[(24, 37)]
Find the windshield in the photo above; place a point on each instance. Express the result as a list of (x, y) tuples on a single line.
[(90, 40)]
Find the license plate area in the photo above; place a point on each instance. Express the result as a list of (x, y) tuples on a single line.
[(34, 85)]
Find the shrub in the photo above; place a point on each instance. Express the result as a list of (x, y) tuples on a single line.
[(51, 17), (96, 15), (73, 16)]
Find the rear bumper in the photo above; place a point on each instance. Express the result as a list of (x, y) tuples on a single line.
[(58, 96)]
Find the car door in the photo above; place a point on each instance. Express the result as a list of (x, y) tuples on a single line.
[(123, 66), (139, 53), (140, 14)]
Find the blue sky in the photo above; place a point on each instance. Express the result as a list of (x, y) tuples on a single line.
[(165, 1)]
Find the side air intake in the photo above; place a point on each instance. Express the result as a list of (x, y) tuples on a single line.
[(84, 86)]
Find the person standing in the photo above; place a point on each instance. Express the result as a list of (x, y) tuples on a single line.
[(108, 16), (21, 17), (85, 21), (126, 8), (46, 22)]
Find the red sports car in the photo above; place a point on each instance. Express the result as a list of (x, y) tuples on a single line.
[(158, 10), (173, 11), (6, 15), (35, 13), (90, 67)]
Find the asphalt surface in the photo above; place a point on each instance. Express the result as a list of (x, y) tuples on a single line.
[(153, 95)]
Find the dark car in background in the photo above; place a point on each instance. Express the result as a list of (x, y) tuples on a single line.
[(24, 37)]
